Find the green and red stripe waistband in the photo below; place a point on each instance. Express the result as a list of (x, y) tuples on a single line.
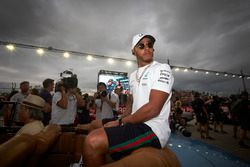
[(134, 143)]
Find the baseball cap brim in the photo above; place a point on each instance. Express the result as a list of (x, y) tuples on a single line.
[(137, 38)]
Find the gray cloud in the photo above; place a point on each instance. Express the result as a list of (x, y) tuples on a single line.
[(196, 33)]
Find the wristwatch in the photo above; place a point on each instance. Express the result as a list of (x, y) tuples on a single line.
[(120, 122)]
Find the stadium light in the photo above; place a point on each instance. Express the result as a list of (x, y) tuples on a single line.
[(89, 58), (66, 55), (10, 47), (40, 51), (177, 69), (129, 63), (110, 60)]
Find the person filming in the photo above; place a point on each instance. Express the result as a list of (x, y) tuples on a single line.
[(65, 102)]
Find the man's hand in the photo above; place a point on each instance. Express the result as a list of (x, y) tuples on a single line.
[(61, 87), (111, 124), (95, 95), (74, 91), (104, 98), (47, 108)]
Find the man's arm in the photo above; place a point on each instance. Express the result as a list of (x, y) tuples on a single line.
[(47, 108), (80, 101), (205, 111), (63, 102), (149, 110), (129, 105), (108, 101)]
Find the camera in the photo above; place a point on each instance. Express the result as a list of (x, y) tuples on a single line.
[(68, 80), (101, 93)]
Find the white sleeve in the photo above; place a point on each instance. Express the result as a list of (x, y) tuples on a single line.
[(163, 78), (98, 103), (131, 80), (115, 99), (57, 97), (13, 98)]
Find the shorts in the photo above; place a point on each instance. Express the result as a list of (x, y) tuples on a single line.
[(129, 137), (244, 124), (201, 118), (218, 117)]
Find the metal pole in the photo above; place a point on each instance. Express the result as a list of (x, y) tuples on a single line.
[(243, 80)]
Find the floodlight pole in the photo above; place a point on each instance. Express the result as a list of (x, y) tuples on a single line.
[(243, 80), (13, 86)]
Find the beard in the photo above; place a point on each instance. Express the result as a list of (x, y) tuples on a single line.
[(145, 59)]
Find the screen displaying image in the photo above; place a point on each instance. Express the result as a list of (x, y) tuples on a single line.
[(113, 79)]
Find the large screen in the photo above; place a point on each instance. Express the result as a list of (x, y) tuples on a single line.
[(113, 79)]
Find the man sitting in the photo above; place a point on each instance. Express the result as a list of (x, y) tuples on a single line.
[(31, 114)]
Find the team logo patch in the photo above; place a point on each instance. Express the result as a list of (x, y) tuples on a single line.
[(164, 76), (145, 77)]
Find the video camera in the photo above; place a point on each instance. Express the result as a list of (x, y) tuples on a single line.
[(102, 93), (68, 80)]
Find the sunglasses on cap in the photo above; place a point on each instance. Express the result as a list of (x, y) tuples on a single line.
[(142, 45)]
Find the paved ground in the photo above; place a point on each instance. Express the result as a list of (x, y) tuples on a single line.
[(223, 141)]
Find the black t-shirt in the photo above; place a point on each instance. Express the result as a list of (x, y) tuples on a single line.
[(197, 105), (48, 98), (243, 110)]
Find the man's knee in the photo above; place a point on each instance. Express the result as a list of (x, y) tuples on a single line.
[(97, 140), (95, 125)]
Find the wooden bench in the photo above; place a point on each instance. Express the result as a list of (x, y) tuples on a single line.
[(147, 157), (51, 147)]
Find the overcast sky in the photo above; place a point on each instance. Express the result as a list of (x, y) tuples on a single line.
[(207, 34)]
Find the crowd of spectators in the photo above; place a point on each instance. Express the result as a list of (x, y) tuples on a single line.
[(63, 105), (211, 112)]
